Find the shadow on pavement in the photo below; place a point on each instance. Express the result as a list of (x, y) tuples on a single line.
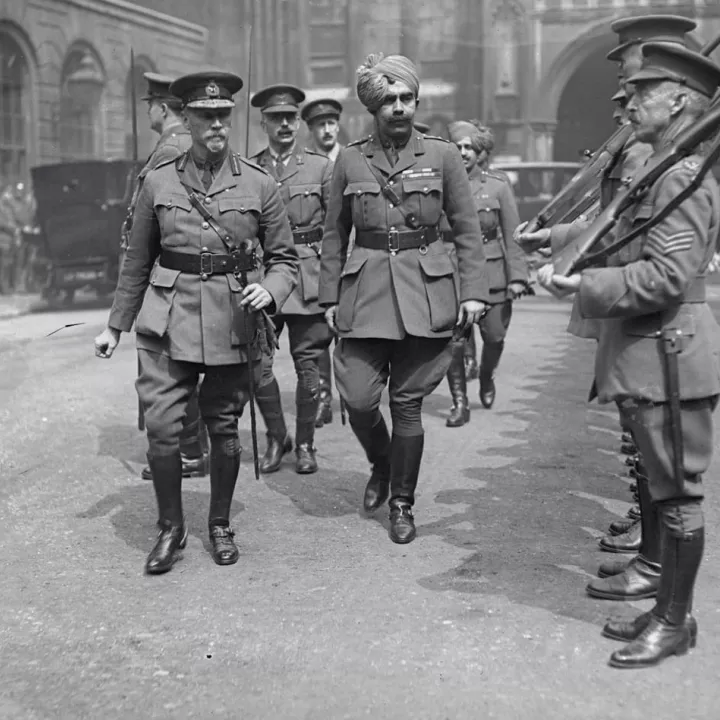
[(525, 526)]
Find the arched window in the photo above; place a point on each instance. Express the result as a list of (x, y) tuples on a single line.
[(82, 86), (146, 137), (14, 110)]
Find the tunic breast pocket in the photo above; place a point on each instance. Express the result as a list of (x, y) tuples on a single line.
[(240, 216), (628, 222), (440, 290), (424, 198), (488, 212), (366, 209), (154, 316), (173, 214), (305, 203)]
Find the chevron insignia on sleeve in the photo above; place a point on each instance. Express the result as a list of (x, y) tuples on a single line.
[(669, 244)]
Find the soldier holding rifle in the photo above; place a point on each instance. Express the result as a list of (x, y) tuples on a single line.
[(196, 230), (656, 356)]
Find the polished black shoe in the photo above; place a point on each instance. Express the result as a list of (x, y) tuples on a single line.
[(634, 512), (628, 449), (224, 551), (165, 553), (377, 489), (631, 461), (305, 462), (628, 542), (629, 630), (471, 368), (613, 567), (324, 414), (640, 580), (276, 450), (487, 392), (618, 527), (627, 437), (191, 467), (459, 414), (659, 640), (402, 524)]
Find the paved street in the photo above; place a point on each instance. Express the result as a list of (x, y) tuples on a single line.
[(483, 616)]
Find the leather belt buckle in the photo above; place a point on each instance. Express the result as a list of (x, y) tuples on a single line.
[(393, 241), (206, 265)]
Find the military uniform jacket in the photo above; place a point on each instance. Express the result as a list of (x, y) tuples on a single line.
[(498, 217), (652, 284), (385, 295), (305, 189), (178, 314)]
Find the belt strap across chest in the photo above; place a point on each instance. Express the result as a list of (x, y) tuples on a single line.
[(206, 264), (396, 240)]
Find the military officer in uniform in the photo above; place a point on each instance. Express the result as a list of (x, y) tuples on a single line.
[(322, 117), (303, 180), (393, 300), (657, 332), (165, 115), (191, 285), (640, 577), (506, 265)]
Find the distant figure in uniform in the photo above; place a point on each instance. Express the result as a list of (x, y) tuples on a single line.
[(303, 180), (322, 117), (393, 301), (657, 332), (198, 224), (165, 116), (506, 265), (8, 241)]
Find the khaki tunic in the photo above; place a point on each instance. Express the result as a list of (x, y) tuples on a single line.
[(413, 292), (178, 314)]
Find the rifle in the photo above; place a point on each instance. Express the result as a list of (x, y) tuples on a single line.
[(576, 256), (561, 207), (127, 225)]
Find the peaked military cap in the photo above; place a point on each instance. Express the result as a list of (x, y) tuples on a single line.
[(158, 87), (422, 127), (670, 61), (278, 99), (325, 107), (620, 96), (210, 89), (646, 28)]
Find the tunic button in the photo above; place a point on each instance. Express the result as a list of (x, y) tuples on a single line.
[(242, 208), (359, 192), (425, 189), (307, 192), (205, 226), (204, 250), (391, 206), (208, 200), (279, 184)]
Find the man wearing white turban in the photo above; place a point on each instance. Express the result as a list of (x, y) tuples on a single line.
[(393, 301)]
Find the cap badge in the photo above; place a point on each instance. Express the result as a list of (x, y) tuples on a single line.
[(212, 90)]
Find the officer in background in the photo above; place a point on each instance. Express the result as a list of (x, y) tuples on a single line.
[(506, 265), (303, 180), (658, 340), (165, 116), (322, 117), (199, 222), (393, 299)]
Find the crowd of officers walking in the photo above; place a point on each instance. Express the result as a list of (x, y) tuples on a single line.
[(17, 225), (387, 253)]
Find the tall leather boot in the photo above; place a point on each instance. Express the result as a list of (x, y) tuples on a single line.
[(307, 404), (640, 578), (374, 437), (224, 468), (668, 630), (279, 443), (470, 357), (489, 360), (167, 480), (405, 458), (324, 414), (460, 412)]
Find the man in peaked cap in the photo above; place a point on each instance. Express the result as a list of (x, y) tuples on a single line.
[(200, 223), (392, 297), (322, 117), (658, 338), (303, 180), (165, 115)]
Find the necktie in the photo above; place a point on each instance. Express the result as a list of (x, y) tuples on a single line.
[(207, 176), (392, 154), (279, 167)]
